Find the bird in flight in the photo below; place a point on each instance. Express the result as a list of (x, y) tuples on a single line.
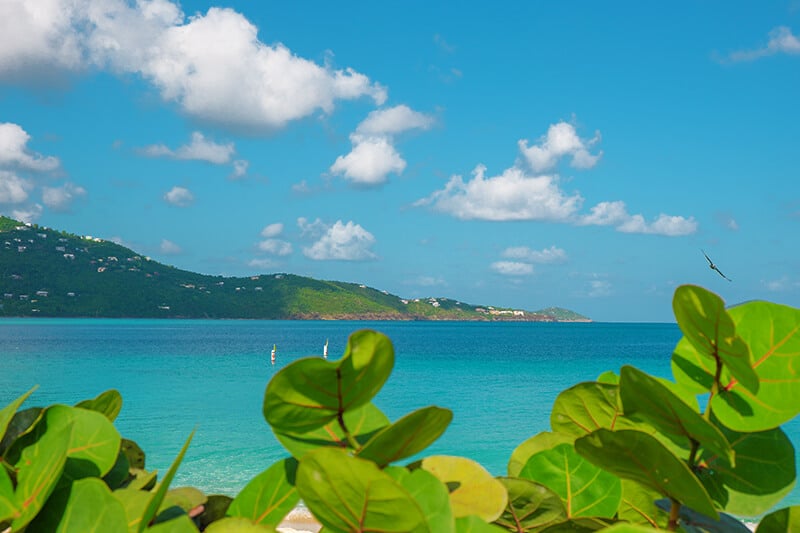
[(712, 266)]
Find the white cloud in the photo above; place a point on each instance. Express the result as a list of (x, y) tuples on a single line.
[(599, 288), (15, 153), (782, 284), (427, 281), (561, 140), (370, 161), (513, 195), (272, 230), (262, 264), (170, 248), (199, 149), (60, 198), (213, 65), (344, 242), (512, 268), (607, 214), (781, 41), (240, 167), (27, 214), (179, 197), (669, 225), (13, 189), (275, 247), (547, 255), (374, 156)]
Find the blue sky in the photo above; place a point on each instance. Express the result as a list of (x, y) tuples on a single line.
[(526, 155)]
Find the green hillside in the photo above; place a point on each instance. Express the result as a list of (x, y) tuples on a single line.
[(44, 272)]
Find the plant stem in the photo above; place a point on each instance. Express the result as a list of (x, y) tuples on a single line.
[(351, 440), (674, 514)]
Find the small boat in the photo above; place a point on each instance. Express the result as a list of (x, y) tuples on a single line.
[(325, 350), (274, 349)]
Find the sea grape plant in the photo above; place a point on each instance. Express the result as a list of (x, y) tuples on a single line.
[(628, 452)]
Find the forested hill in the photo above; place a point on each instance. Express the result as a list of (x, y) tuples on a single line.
[(44, 272)]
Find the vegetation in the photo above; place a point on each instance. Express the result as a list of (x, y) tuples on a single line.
[(627, 453), (44, 272)]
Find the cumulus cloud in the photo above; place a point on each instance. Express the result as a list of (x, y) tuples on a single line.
[(13, 189), (781, 41), (272, 230), (374, 156), (547, 255), (512, 268), (561, 141), (520, 193), (513, 195), (200, 149), (27, 214), (213, 65), (240, 167), (14, 151), (340, 241), (179, 197), (61, 198), (170, 248), (275, 247)]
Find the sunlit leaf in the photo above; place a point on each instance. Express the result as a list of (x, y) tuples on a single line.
[(430, 494), (134, 502), (269, 496), (163, 487), (473, 524), (530, 505), (87, 505), (108, 403), (408, 436), (538, 443), (583, 524), (584, 407), (94, 441), (238, 525), (638, 505), (786, 520), (637, 456), (585, 489), (8, 412)]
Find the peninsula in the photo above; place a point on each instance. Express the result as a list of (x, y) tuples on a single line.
[(50, 273)]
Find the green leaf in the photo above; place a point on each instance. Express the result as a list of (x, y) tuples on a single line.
[(108, 403), (238, 525), (627, 528), (8, 504), (538, 443), (179, 524), (135, 502), (269, 496), (530, 505), (87, 505), (772, 332), (362, 422), (608, 377), (644, 396), (350, 494), (585, 489), (119, 473), (311, 392), (160, 493), (473, 490), (473, 524), (694, 522), (8, 412), (22, 423), (134, 453), (708, 327), (430, 494), (764, 473), (582, 524), (586, 407), (638, 505), (39, 468), (408, 436), (185, 498), (635, 455), (94, 441), (786, 520), (215, 508)]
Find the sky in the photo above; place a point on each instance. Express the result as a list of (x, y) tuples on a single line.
[(521, 154)]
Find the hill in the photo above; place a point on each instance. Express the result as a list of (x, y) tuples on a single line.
[(45, 272)]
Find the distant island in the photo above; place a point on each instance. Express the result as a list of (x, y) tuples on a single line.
[(50, 273)]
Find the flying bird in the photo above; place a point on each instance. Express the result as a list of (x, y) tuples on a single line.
[(712, 266)]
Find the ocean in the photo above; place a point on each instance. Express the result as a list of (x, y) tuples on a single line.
[(175, 376)]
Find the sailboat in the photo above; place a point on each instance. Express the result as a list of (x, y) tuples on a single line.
[(274, 349), (325, 350)]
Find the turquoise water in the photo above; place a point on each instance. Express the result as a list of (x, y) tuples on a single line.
[(499, 379)]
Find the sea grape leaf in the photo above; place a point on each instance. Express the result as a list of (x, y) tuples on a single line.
[(408, 436), (215, 508), (694, 522), (238, 525), (179, 524), (638, 505), (473, 524), (764, 472), (608, 377), (269, 496), (530, 505), (772, 332), (142, 479), (158, 496), (584, 407), (362, 423), (39, 468), (94, 441), (709, 328), (786, 520), (22, 423), (119, 473), (134, 502), (635, 455), (186, 498), (473, 490), (585, 489), (644, 396), (309, 393), (7, 501), (346, 493), (109, 403), (134, 453), (582, 524), (538, 443), (8, 412), (430, 494), (627, 528), (87, 505)]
